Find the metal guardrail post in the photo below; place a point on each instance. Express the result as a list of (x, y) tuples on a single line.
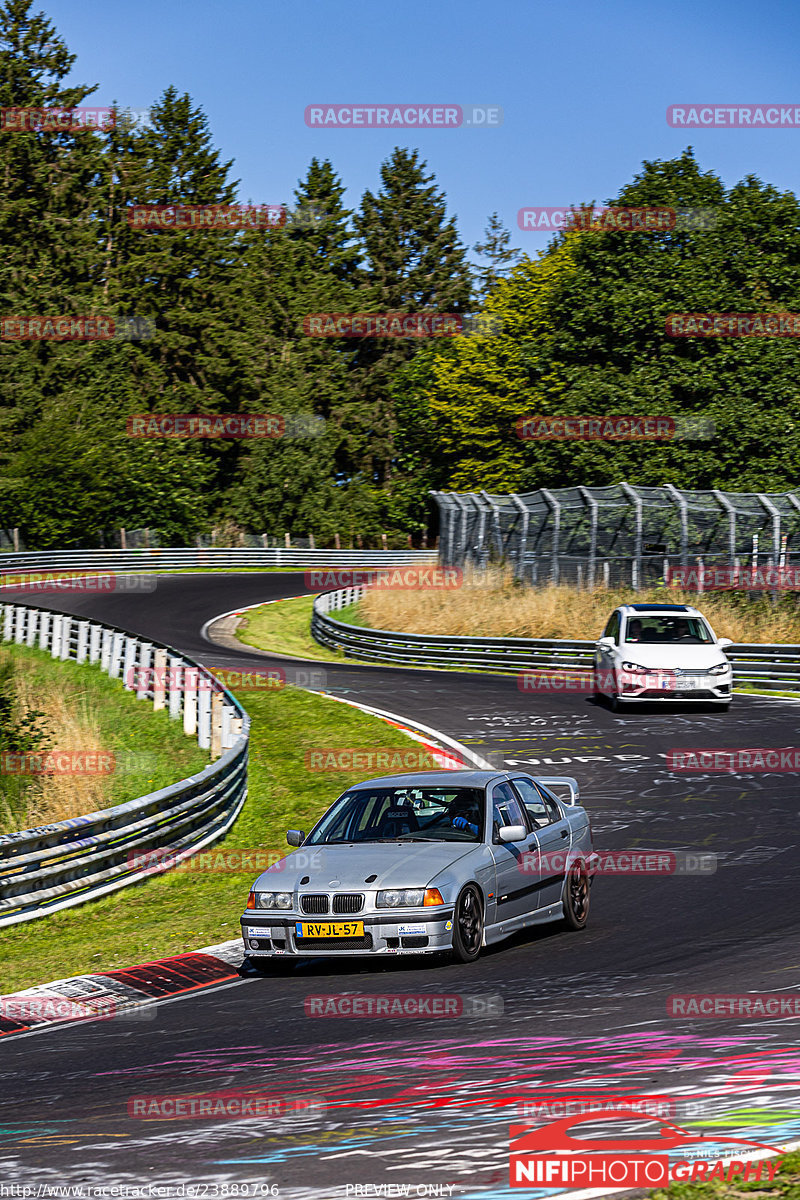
[(190, 700), (204, 718), (176, 679), (519, 567), (55, 640), (159, 679), (19, 624), (555, 508), (636, 572), (44, 630), (8, 623), (725, 504), (83, 642), (66, 636), (594, 508), (683, 508), (33, 627), (95, 640), (143, 671), (117, 651), (129, 656)]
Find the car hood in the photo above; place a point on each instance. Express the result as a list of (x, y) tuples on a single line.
[(346, 868), (646, 654)]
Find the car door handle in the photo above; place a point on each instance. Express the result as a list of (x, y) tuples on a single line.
[(565, 833)]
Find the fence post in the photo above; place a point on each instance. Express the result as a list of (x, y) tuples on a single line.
[(83, 641), (33, 626), (143, 673), (66, 635), (190, 675), (159, 680), (55, 643), (8, 619), (555, 508), (95, 638), (217, 707), (204, 716), (44, 630), (19, 626), (105, 655), (117, 648), (176, 680)]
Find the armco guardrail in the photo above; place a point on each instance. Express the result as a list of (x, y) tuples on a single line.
[(773, 667), (214, 559), (56, 866)]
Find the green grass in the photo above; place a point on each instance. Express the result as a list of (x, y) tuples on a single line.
[(284, 627), (177, 912), (163, 754), (785, 1185)]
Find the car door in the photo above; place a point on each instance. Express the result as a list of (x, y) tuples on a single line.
[(605, 657), (515, 889), (553, 836)]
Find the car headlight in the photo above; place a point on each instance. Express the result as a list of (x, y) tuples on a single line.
[(274, 899), (635, 668), (718, 668), (401, 898)]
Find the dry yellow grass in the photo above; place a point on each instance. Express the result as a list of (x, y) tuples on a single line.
[(494, 606), (71, 726)]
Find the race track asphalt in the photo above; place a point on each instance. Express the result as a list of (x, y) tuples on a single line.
[(427, 1102)]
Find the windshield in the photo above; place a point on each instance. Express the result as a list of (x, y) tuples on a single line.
[(388, 814), (668, 630)]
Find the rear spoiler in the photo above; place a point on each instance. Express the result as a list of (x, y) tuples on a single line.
[(566, 780)]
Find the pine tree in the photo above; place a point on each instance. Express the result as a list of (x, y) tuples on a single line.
[(414, 263), (495, 248)]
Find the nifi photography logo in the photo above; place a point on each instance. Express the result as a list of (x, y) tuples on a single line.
[(548, 1155)]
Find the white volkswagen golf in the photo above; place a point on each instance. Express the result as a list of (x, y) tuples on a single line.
[(661, 652)]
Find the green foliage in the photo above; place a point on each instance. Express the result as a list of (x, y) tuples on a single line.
[(579, 330)]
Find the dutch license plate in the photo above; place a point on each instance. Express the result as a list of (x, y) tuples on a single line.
[(689, 684), (329, 929)]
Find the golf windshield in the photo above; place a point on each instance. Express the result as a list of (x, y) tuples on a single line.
[(668, 630), (387, 814)]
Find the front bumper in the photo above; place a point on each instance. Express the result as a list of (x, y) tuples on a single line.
[(271, 936)]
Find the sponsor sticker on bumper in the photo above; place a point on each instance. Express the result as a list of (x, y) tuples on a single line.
[(406, 929)]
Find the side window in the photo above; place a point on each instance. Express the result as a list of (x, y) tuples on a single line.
[(506, 808), (540, 805), (612, 628)]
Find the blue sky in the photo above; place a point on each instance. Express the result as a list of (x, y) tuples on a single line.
[(584, 87)]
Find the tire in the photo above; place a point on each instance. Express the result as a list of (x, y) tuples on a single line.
[(615, 704), (468, 924), (576, 896)]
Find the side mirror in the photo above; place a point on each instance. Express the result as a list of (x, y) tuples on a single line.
[(605, 641), (512, 833), (295, 837), (723, 643)]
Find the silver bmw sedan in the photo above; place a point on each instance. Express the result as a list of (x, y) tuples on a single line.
[(423, 863)]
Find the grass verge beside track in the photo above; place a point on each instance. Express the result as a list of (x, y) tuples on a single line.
[(182, 910), (84, 711), (785, 1185), (284, 627)]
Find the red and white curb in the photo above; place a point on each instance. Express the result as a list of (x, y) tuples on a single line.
[(120, 993)]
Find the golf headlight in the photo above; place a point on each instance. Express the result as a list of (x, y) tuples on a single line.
[(274, 899), (718, 669), (403, 898), (634, 668)]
